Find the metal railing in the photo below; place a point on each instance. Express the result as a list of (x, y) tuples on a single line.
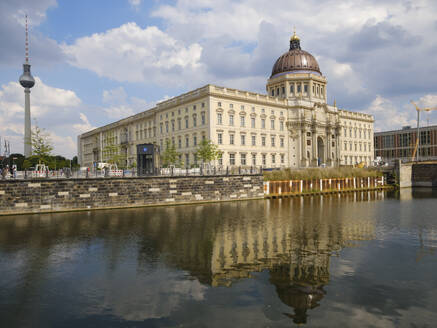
[(130, 173)]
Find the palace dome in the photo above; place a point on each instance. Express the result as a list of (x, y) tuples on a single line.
[(295, 60)]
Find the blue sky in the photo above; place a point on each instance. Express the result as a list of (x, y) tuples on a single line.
[(98, 61)]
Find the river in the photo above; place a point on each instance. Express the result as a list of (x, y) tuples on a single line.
[(354, 260)]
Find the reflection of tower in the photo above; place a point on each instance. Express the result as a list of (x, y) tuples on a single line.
[(27, 81)]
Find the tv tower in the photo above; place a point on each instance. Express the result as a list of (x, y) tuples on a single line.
[(27, 81)]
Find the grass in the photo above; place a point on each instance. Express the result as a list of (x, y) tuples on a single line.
[(320, 173)]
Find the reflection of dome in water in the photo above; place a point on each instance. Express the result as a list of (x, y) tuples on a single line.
[(296, 60)]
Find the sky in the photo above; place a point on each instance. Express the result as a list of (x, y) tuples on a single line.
[(98, 61)]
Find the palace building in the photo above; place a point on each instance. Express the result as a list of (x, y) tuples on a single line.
[(290, 126)]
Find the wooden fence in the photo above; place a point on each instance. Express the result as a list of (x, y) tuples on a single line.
[(292, 187)]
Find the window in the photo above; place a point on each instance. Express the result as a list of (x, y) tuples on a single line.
[(263, 110), (273, 159), (350, 145), (194, 107), (231, 106), (361, 148), (194, 120), (350, 132), (281, 142), (253, 140), (264, 159), (202, 115), (232, 159), (243, 159), (272, 124), (291, 88), (273, 92), (355, 147), (242, 107), (220, 159), (333, 144), (360, 133), (166, 127), (283, 90), (282, 158), (277, 91), (305, 88), (263, 140), (345, 146), (281, 125), (187, 160), (203, 105), (172, 126), (308, 142), (242, 121), (298, 88), (253, 109), (187, 142), (179, 111), (219, 104), (253, 159), (219, 118), (243, 140), (263, 123), (345, 131), (355, 133), (273, 141), (179, 124), (252, 122), (308, 134), (203, 137), (220, 138), (179, 143), (186, 122), (231, 139), (365, 147), (160, 128), (231, 120)]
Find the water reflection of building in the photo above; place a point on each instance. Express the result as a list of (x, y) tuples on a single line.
[(292, 239)]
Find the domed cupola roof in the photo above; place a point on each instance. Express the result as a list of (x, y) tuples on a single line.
[(295, 60)]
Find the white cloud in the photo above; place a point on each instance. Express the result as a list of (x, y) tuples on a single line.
[(130, 53), (54, 108), (117, 95), (135, 3), (388, 116)]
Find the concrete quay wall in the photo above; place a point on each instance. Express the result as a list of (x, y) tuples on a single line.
[(416, 174), (46, 195)]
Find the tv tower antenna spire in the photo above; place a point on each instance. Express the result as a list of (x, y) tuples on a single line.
[(27, 81)]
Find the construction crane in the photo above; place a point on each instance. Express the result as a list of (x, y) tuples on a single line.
[(418, 109)]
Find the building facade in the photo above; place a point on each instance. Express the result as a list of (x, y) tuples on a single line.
[(290, 126), (400, 144)]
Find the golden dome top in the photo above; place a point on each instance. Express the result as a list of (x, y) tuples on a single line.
[(294, 37)]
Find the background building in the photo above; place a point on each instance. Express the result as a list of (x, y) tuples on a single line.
[(399, 144), (291, 126)]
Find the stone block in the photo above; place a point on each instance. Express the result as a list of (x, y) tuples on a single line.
[(247, 186), (154, 189), (63, 193), (84, 196), (169, 199), (173, 191), (187, 193), (92, 189), (2, 192), (45, 207), (198, 197), (34, 185), (225, 179), (209, 182), (113, 194), (21, 205), (173, 186), (243, 195), (233, 196), (246, 179)]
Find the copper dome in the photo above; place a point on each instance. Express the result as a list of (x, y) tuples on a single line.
[(295, 59)]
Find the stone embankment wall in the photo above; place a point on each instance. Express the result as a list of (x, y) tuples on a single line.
[(424, 175), (46, 195), (274, 189)]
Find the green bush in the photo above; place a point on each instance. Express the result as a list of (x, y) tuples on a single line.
[(320, 173)]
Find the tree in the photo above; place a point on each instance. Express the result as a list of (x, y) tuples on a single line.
[(112, 152), (26, 164), (41, 143), (170, 156), (207, 151)]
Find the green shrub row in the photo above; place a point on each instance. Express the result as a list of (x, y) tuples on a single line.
[(320, 173)]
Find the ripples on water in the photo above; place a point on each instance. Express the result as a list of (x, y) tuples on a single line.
[(356, 260)]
